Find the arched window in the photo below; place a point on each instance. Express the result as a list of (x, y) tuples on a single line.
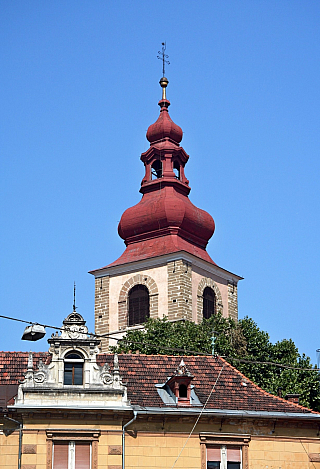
[(176, 169), (138, 305), (73, 368), (156, 169), (183, 390), (209, 302)]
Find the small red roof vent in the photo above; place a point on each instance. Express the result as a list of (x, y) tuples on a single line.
[(180, 384)]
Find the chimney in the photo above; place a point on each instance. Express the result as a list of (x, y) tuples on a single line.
[(293, 398)]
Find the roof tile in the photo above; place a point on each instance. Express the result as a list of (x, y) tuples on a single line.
[(142, 372)]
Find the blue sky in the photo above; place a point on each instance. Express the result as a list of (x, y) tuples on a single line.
[(79, 88)]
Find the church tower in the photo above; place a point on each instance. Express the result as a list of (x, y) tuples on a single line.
[(165, 269)]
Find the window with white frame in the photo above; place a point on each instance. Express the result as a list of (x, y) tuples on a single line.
[(71, 455), (224, 451), (223, 457), (73, 369)]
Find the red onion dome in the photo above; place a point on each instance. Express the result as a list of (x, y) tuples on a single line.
[(163, 212), (165, 221), (164, 127)]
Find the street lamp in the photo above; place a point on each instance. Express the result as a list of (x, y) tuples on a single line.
[(33, 332)]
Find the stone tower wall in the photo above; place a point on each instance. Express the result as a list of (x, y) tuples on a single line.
[(179, 290), (208, 282), (139, 279), (233, 301), (101, 309), (175, 291)]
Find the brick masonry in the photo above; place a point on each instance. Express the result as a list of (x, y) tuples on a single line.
[(179, 290), (208, 282), (101, 309), (233, 301)]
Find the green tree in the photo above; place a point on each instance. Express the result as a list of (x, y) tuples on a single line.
[(242, 343)]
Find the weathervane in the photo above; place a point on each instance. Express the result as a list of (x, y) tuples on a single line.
[(163, 56), (74, 297)]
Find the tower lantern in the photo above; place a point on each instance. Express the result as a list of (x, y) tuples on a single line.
[(165, 269)]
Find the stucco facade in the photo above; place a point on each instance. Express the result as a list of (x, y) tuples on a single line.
[(154, 445)]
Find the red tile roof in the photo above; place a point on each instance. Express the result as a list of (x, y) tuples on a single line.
[(141, 373), (233, 390), (14, 364), (157, 247), (12, 367)]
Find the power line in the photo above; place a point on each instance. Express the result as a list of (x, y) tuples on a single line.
[(67, 328), (199, 416), (280, 365), (170, 349), (254, 362)]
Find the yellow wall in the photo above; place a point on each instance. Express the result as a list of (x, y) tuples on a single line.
[(161, 451), (290, 453), (150, 445), (9, 450)]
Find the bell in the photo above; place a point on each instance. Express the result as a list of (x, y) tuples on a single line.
[(33, 332)]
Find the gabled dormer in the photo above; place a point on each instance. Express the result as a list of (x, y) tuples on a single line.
[(71, 376), (178, 390)]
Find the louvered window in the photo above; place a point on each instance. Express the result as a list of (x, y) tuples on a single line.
[(209, 302), (138, 305), (71, 455)]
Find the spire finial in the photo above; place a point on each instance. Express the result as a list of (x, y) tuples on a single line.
[(163, 56), (74, 296), (164, 81)]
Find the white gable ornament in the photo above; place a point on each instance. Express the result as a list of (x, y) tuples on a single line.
[(46, 386)]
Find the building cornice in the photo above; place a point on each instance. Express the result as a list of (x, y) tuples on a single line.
[(158, 261), (171, 412), (226, 413), (67, 407)]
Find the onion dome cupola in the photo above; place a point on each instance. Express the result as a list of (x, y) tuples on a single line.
[(165, 220), (165, 270)]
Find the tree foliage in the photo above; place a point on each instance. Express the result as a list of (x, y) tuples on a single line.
[(242, 343)]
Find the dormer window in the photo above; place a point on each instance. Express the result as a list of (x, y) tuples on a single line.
[(73, 369), (180, 385), (178, 390), (183, 391)]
